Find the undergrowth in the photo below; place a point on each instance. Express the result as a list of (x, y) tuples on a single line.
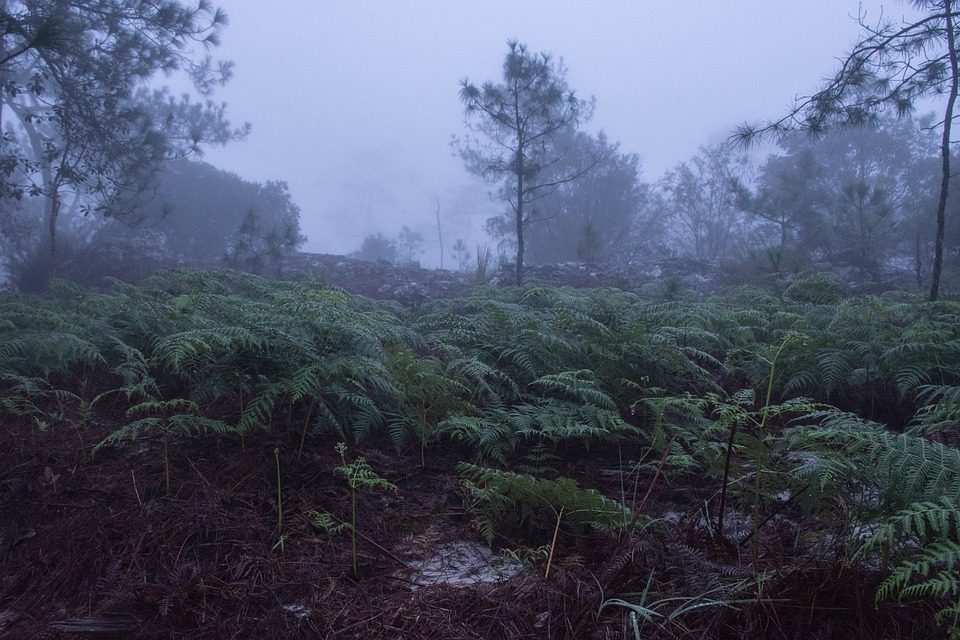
[(860, 410)]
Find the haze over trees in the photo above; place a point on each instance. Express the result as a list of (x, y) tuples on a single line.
[(845, 199), (855, 197), (585, 218), (89, 129), (892, 66), (860, 199), (517, 123), (849, 200), (193, 214), (731, 417), (377, 246), (699, 196)]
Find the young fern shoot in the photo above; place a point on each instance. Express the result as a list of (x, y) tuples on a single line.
[(168, 417), (360, 476)]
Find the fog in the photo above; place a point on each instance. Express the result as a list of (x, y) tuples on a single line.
[(354, 104)]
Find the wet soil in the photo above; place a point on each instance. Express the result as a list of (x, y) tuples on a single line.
[(93, 546)]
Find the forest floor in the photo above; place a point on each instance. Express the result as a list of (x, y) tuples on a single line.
[(245, 536), (94, 547)]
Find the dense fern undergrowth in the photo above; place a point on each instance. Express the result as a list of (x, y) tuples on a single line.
[(746, 412)]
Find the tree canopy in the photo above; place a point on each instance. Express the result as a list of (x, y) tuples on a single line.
[(701, 199), (584, 219), (195, 214), (77, 115), (518, 121), (892, 66)]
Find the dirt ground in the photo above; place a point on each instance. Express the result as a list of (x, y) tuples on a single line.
[(93, 547)]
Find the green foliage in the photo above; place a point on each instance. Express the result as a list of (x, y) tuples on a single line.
[(426, 395), (327, 523), (360, 477), (905, 468), (725, 393), (503, 499), (35, 399), (925, 536), (683, 420), (171, 418), (918, 484), (940, 413), (863, 351), (816, 288), (359, 474)]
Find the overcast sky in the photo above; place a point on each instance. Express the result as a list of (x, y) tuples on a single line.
[(353, 103)]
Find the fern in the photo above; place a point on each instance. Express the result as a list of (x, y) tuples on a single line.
[(816, 288), (327, 523), (360, 476), (492, 436), (25, 396), (683, 420), (940, 414), (43, 353), (579, 386), (908, 468), (920, 520), (487, 385), (933, 570), (171, 418), (424, 397), (503, 498), (919, 477)]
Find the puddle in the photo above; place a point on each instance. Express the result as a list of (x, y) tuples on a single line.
[(462, 564)]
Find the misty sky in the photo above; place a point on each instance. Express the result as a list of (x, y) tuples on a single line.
[(354, 103)]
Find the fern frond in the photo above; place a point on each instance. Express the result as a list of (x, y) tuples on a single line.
[(496, 492), (921, 521), (943, 583), (579, 385)]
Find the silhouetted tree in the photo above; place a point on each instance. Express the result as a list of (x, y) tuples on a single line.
[(254, 247), (73, 78), (201, 210), (700, 195), (196, 214), (519, 120), (376, 246), (892, 66), (587, 218), (792, 198), (409, 243), (856, 196)]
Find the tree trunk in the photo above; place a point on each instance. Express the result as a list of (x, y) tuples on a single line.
[(51, 184), (945, 154), (520, 246), (52, 217), (779, 252), (918, 260), (519, 212), (440, 233)]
